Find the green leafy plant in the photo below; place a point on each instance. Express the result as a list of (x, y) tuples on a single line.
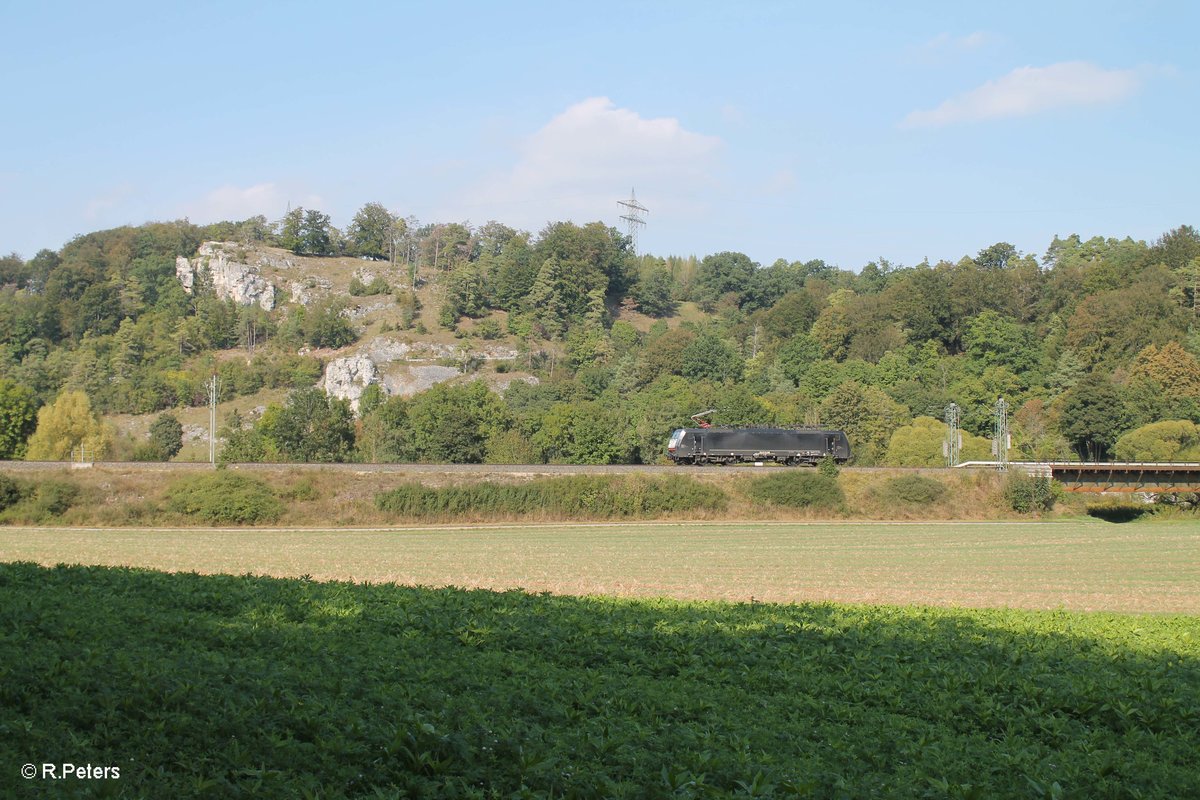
[(1028, 494), (575, 496), (224, 497), (828, 467), (38, 500), (219, 685), (10, 492), (793, 489), (912, 489)]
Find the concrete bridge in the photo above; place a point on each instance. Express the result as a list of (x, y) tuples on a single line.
[(1111, 476)]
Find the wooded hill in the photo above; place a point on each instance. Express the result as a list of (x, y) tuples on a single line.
[(1092, 343)]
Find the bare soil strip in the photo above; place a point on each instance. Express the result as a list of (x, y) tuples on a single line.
[(1080, 566)]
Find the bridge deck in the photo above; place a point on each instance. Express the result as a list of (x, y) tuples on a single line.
[(1113, 476)]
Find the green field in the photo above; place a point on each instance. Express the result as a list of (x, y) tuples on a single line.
[(622, 671), (223, 686), (1141, 567)]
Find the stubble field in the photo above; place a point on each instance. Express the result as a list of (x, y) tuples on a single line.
[(1080, 566)]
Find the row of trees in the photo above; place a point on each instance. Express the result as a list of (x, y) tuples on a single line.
[(1089, 342)]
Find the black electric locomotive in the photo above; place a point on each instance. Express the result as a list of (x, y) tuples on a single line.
[(713, 445)]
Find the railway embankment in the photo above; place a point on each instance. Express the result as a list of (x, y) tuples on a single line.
[(347, 495)]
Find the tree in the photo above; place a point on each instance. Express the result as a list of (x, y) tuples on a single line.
[(591, 256), (447, 245), (994, 340), (166, 436), (921, 443), (1035, 436), (652, 292), (291, 230), (1111, 327), (371, 232), (920, 302), (663, 355), (383, 435), (324, 324), (513, 272), (66, 425), (548, 301), (465, 293), (997, 257), (315, 237), (312, 427), (581, 433), (833, 330), (1177, 247), (867, 415), (1170, 440), (18, 418), (793, 313), (1093, 415), (708, 357), (1174, 369), (723, 273), (452, 423), (797, 356)]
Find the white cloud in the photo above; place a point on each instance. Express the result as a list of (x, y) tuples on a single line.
[(585, 159), (237, 203), (1029, 90)]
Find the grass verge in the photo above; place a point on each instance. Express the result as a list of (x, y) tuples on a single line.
[(125, 495)]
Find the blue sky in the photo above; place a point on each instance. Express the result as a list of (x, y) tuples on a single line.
[(845, 132)]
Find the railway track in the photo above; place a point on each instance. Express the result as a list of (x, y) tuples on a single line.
[(440, 469)]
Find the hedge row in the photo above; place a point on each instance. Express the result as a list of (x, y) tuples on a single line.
[(578, 495)]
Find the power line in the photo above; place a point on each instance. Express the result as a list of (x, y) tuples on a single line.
[(952, 447), (1002, 439), (633, 219)]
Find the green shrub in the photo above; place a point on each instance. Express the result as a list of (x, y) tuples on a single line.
[(798, 490), (224, 496), (304, 489), (149, 451), (36, 502), (912, 489), (828, 466), (10, 492), (489, 329), (1027, 494), (52, 498), (582, 495), (377, 286)]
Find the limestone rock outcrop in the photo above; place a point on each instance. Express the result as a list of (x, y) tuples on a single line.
[(231, 279), (347, 378)]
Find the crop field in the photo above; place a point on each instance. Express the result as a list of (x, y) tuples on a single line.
[(1085, 566), (198, 686)]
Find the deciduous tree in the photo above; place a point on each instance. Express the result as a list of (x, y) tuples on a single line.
[(66, 425), (18, 418)]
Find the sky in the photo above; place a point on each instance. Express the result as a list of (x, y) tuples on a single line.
[(847, 132)]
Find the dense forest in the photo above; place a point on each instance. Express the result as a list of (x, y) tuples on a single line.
[(1093, 344)]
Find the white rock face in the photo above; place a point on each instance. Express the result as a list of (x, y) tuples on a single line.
[(185, 273), (310, 288), (231, 280), (347, 378), (410, 380)]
